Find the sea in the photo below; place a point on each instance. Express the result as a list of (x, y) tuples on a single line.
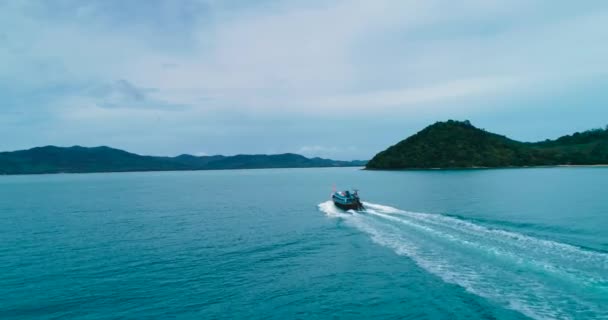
[(268, 244)]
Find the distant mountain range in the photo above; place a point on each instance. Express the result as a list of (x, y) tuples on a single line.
[(78, 159), (458, 144)]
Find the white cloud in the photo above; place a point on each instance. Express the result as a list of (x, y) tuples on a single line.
[(303, 60), (316, 57), (219, 69), (407, 98), (326, 151)]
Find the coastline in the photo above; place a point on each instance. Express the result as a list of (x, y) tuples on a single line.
[(493, 168), (175, 170), (320, 167)]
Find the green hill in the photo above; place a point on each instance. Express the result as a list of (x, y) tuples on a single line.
[(456, 144), (78, 159)]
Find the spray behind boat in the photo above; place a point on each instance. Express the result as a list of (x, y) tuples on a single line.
[(347, 200)]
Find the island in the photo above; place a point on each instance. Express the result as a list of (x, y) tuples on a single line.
[(459, 144), (77, 159)]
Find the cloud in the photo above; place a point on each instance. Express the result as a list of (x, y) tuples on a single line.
[(124, 94), (327, 151), (408, 97), (225, 72), (269, 56), (381, 54)]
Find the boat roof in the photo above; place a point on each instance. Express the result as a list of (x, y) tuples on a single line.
[(344, 194)]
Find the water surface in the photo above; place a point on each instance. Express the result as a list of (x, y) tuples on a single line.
[(471, 244)]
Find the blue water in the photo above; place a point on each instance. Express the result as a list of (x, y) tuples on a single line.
[(266, 244)]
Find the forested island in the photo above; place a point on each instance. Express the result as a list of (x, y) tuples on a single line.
[(51, 159), (449, 144), (459, 144)]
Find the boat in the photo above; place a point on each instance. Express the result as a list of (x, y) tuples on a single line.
[(347, 200)]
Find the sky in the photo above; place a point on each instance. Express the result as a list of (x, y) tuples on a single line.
[(336, 79)]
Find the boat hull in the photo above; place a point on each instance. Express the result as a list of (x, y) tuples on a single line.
[(350, 206)]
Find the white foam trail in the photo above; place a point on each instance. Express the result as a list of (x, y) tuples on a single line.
[(540, 278), (556, 256), (331, 210), (381, 208)]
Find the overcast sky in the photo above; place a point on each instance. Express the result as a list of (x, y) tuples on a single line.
[(338, 79)]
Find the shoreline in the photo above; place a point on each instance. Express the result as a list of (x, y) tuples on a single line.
[(494, 168), (363, 168), (150, 171)]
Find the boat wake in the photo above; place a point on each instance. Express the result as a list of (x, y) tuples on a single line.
[(539, 278)]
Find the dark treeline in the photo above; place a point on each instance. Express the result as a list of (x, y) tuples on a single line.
[(77, 159)]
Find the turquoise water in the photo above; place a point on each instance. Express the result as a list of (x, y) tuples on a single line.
[(266, 244)]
